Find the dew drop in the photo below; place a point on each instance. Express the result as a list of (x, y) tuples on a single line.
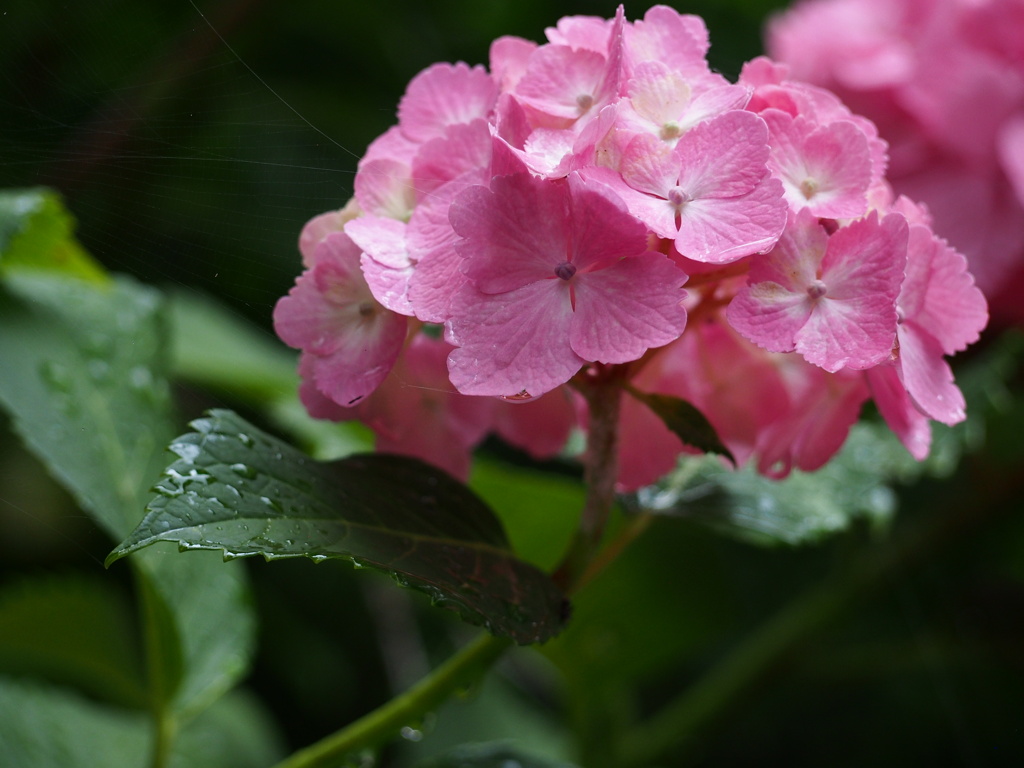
[(522, 397), (274, 504), (411, 734), (187, 451), (244, 470)]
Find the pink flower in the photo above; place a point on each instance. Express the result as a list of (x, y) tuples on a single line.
[(941, 311), (824, 168), (830, 298), (712, 193), (349, 341), (558, 275)]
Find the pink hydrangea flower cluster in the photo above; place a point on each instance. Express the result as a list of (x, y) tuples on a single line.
[(537, 221), (944, 82)]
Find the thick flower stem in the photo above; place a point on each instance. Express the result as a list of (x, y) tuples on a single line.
[(387, 721), (602, 389)]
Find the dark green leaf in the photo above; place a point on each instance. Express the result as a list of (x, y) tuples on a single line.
[(38, 617), (237, 489), (36, 235), (688, 423), (490, 755)]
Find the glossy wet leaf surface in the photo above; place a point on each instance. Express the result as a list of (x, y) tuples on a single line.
[(240, 490)]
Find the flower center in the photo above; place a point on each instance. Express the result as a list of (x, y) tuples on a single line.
[(808, 188), (677, 197), (817, 289), (671, 130), (565, 270), (584, 101)]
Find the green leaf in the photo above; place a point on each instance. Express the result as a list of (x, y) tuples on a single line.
[(802, 508), (490, 755), (38, 617), (83, 379), (36, 235), (237, 489), (236, 732), (688, 423), (47, 727)]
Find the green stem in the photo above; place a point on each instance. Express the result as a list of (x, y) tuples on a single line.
[(384, 723), (162, 668)]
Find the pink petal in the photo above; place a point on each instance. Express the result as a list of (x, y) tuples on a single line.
[(939, 294), (462, 149), (680, 41), (316, 230), (513, 233), (385, 263), (512, 342), (326, 300), (384, 188), (650, 166), (628, 308), (927, 376), (722, 230), (562, 82), (361, 361), (725, 156), (508, 60), (443, 95), (416, 412), (775, 304), (431, 241), (854, 323), (825, 168), (904, 419), (602, 230)]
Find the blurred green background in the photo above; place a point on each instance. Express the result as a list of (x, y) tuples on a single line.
[(193, 141)]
